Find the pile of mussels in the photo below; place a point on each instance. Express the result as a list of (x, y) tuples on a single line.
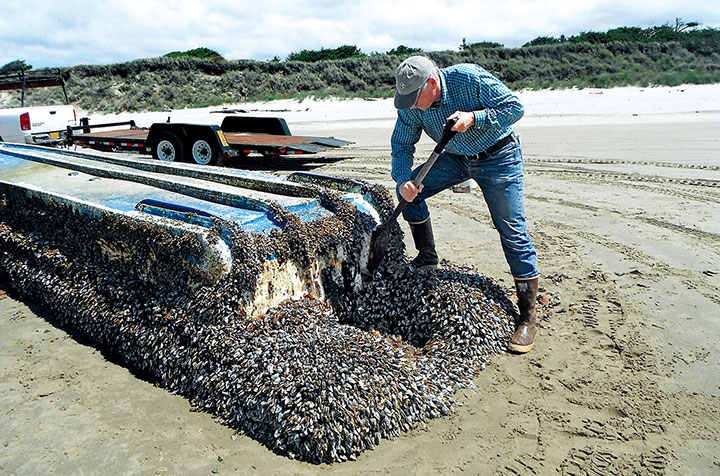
[(316, 380)]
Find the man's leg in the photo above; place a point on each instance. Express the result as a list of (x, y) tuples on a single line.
[(501, 179), (447, 171)]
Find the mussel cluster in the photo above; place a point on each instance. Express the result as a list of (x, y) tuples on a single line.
[(320, 380)]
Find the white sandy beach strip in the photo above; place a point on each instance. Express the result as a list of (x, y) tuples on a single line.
[(546, 107)]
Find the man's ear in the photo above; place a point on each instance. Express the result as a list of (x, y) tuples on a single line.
[(434, 85)]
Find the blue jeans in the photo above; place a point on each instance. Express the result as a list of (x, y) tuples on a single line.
[(501, 180)]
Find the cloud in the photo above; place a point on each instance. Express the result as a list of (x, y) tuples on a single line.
[(43, 34)]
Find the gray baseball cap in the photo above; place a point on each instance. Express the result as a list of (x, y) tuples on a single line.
[(410, 76)]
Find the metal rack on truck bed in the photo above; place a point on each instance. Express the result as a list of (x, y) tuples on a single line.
[(200, 143)]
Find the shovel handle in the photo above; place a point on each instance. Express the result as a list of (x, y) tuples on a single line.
[(447, 134), (380, 237)]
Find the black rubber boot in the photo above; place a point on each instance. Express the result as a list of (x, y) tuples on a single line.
[(424, 240), (526, 331)]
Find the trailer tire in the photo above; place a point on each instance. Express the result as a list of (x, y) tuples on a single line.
[(204, 152), (167, 148)]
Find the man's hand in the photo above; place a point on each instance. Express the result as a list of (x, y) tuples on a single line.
[(409, 191), (465, 120)]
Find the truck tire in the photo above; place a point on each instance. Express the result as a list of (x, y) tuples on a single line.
[(204, 152), (167, 148)]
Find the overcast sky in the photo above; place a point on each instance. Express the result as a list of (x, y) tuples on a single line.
[(53, 33)]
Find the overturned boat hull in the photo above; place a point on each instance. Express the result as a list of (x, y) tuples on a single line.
[(182, 226)]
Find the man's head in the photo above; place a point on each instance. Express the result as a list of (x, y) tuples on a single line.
[(412, 79)]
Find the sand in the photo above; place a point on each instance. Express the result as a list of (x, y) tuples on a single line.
[(622, 198)]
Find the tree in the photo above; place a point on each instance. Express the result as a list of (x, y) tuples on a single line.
[(403, 50), (595, 37), (542, 40), (465, 46), (680, 25), (16, 66), (484, 44), (341, 52), (201, 53), (630, 34)]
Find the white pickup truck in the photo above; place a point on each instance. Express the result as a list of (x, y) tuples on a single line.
[(45, 125)]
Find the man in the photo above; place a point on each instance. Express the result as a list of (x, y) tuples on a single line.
[(485, 149)]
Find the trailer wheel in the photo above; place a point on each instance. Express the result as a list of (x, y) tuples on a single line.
[(168, 148), (204, 153)]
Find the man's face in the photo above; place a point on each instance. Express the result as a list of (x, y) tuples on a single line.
[(428, 95)]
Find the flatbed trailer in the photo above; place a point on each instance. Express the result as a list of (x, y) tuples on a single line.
[(237, 136)]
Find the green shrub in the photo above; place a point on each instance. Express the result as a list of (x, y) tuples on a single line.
[(201, 53), (341, 52)]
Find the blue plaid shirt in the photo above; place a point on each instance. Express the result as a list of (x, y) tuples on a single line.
[(465, 87)]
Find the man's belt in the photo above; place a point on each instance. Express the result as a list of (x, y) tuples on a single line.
[(492, 149)]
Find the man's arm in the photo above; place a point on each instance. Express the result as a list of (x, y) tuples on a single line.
[(502, 107), (406, 134)]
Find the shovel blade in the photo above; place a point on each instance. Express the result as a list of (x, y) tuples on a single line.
[(378, 246)]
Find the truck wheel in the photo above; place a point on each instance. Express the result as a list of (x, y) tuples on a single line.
[(204, 153), (168, 148)]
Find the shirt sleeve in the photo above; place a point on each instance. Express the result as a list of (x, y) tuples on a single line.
[(406, 134), (502, 107)]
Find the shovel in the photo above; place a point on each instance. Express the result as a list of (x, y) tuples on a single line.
[(381, 235)]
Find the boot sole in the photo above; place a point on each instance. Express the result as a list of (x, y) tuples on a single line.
[(426, 267), (520, 349)]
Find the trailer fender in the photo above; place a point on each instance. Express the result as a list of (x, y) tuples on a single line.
[(256, 125)]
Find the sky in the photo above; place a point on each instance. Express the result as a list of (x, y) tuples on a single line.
[(47, 33)]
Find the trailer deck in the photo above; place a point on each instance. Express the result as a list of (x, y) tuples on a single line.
[(204, 144)]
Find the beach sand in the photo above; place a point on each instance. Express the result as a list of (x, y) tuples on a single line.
[(622, 200)]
